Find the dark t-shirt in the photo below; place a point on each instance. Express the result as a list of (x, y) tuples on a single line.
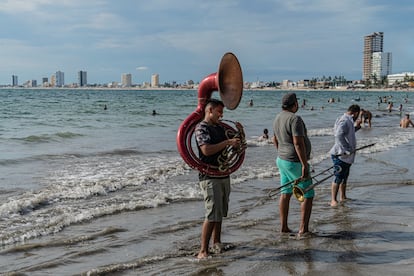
[(286, 125), (209, 134)]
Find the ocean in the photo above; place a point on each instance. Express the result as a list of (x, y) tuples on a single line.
[(86, 190)]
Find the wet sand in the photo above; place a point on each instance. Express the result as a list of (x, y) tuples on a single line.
[(372, 234)]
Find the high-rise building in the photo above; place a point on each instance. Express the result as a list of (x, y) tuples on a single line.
[(82, 78), (372, 43), (381, 65), (33, 83), (53, 80), (126, 80), (155, 80), (15, 81), (60, 79)]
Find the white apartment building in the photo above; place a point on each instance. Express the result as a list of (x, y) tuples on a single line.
[(381, 64), (126, 80), (53, 80), (399, 77), (155, 80)]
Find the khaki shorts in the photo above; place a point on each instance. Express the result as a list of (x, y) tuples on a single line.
[(216, 192)]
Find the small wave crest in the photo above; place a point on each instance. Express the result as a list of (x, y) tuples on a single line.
[(320, 132), (45, 138), (85, 190)]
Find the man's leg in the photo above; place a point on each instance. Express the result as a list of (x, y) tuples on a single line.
[(306, 210), (342, 190), (206, 232), (334, 194), (284, 212), (217, 232)]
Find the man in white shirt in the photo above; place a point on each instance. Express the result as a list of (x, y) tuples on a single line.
[(343, 151)]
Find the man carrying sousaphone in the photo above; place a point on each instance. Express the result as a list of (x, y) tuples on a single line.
[(294, 148), (221, 148), (212, 141)]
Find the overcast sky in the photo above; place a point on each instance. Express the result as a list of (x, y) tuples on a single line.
[(185, 39)]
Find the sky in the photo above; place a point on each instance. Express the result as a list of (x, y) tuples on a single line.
[(183, 40)]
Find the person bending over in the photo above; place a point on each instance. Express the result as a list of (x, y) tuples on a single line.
[(366, 117)]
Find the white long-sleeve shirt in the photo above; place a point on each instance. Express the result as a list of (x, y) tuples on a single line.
[(345, 140)]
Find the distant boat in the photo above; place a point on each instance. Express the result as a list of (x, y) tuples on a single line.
[(357, 99)]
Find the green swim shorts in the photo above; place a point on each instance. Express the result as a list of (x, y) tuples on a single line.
[(290, 171)]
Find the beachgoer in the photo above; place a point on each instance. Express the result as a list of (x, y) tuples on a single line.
[(294, 148), (154, 112), (105, 107), (211, 141), (389, 107), (251, 102), (406, 121), (303, 103), (265, 134), (366, 117), (343, 151)]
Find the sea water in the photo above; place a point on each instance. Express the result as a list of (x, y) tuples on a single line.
[(89, 189)]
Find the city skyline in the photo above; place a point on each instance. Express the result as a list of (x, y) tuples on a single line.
[(273, 40)]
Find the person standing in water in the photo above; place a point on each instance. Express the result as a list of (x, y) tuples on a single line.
[(294, 148), (211, 140), (343, 151)]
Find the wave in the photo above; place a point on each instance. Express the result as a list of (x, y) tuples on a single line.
[(81, 192), (45, 138), (117, 181), (320, 132), (80, 155), (257, 141)]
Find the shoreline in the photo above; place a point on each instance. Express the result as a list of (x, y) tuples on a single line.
[(344, 89)]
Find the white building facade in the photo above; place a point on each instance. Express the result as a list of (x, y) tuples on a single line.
[(155, 80), (381, 64), (126, 80), (400, 77)]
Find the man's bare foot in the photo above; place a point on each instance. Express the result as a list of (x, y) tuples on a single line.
[(202, 255), (334, 203), (286, 230), (217, 248), (306, 234)]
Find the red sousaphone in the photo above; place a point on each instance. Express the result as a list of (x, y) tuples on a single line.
[(229, 82)]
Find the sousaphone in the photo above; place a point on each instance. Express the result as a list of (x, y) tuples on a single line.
[(228, 80)]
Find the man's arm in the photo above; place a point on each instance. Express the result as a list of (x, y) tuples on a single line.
[(275, 142), (210, 149), (300, 148)]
